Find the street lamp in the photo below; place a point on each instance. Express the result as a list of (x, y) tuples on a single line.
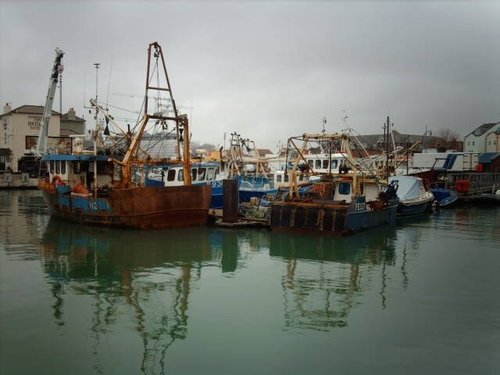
[(423, 137)]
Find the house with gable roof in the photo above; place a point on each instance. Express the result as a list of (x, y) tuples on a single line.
[(19, 129), (484, 138)]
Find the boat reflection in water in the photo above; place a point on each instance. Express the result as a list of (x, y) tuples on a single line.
[(147, 274), (143, 283), (324, 274)]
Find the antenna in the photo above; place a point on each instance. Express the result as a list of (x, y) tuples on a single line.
[(344, 118), (96, 79), (109, 83)]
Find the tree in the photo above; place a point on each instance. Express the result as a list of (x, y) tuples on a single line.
[(449, 139), (448, 135)]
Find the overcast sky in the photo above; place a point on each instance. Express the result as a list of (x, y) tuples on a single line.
[(266, 69)]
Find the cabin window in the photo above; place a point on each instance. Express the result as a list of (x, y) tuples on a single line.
[(335, 164), (180, 176), (52, 166), (344, 188), (318, 164), (211, 174), (310, 163), (287, 178), (325, 164), (278, 178), (171, 175), (193, 174), (201, 173), (63, 167)]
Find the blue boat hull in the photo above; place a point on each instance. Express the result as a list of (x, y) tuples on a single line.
[(329, 218), (445, 197)]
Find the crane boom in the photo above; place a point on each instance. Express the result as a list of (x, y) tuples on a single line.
[(41, 147)]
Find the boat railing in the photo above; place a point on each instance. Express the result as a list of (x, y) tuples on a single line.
[(470, 184)]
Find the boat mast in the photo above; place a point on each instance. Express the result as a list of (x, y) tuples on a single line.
[(386, 134), (41, 146), (181, 122), (96, 131)]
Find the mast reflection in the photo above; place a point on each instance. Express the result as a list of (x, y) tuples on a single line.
[(149, 274), (324, 274)]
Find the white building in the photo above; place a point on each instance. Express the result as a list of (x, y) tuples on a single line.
[(484, 138), (19, 130), (492, 141)]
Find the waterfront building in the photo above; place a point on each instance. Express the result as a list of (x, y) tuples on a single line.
[(71, 124), (19, 129), (377, 142), (484, 138)]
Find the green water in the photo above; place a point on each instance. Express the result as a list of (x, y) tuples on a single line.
[(420, 298)]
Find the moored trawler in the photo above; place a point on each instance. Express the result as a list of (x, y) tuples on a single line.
[(341, 200), (96, 186)]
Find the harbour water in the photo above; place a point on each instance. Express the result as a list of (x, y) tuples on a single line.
[(420, 298)]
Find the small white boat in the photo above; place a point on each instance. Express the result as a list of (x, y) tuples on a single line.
[(414, 197)]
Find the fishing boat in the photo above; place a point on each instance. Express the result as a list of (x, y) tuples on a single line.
[(252, 172), (444, 197), (340, 200), (414, 197), (98, 186)]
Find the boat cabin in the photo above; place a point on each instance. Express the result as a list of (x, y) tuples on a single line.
[(326, 163), (282, 179), (77, 170), (173, 175), (342, 189)]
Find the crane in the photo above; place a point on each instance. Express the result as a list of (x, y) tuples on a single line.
[(41, 146)]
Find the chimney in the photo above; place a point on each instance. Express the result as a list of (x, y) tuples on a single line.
[(7, 108), (71, 114)]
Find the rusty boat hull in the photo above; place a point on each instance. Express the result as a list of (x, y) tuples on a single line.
[(140, 207), (325, 217)]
